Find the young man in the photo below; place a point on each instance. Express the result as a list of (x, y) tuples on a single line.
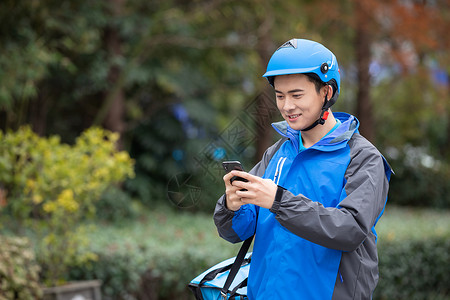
[(316, 195)]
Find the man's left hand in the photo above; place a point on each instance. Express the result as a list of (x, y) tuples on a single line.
[(259, 191)]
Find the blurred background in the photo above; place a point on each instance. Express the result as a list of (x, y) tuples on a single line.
[(118, 114)]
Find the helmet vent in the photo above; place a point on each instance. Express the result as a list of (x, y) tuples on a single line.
[(291, 43)]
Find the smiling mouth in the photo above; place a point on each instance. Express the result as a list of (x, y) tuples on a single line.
[(293, 117)]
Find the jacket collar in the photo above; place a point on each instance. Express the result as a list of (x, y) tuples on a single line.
[(349, 125)]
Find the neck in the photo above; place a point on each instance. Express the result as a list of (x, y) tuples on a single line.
[(314, 135)]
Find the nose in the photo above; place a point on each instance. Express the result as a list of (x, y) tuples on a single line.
[(288, 104)]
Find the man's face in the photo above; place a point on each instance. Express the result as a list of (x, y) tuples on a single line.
[(297, 100)]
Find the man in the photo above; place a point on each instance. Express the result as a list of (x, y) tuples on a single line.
[(315, 197)]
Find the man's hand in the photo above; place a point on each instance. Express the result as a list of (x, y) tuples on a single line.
[(259, 191), (233, 200)]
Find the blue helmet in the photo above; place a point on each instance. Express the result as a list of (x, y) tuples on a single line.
[(299, 56)]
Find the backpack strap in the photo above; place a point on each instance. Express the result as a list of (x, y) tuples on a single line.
[(236, 266)]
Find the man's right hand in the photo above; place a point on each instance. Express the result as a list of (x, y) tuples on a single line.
[(233, 202)]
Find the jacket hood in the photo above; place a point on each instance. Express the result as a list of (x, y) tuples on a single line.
[(349, 125)]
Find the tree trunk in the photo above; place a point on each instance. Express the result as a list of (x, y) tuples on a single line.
[(115, 96), (364, 109), (38, 112), (265, 105), (266, 110)]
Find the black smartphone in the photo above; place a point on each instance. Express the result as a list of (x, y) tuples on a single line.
[(233, 165)]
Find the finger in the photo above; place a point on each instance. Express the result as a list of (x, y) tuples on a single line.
[(245, 175), (234, 194), (227, 176), (245, 194), (241, 184), (227, 179), (231, 189)]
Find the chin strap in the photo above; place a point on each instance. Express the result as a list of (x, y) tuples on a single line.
[(323, 115)]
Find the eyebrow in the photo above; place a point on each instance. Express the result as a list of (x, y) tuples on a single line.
[(291, 91)]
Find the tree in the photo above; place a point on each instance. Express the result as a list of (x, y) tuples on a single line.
[(385, 32), (115, 96), (125, 64), (363, 42)]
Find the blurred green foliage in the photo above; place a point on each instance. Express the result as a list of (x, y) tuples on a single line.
[(51, 187), (413, 134), (19, 271), (413, 254), (46, 45), (154, 257), (116, 206), (62, 63), (414, 269), (158, 256), (189, 73), (418, 184)]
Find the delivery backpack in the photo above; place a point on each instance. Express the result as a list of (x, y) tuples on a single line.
[(226, 280)]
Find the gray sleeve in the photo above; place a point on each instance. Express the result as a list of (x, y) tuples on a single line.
[(346, 227), (223, 217)]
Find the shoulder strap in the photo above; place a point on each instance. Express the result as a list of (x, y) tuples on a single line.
[(245, 246), (236, 266)]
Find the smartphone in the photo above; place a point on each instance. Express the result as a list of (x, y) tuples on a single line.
[(233, 165)]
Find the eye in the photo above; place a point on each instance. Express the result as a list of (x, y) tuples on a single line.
[(297, 96), (280, 97)]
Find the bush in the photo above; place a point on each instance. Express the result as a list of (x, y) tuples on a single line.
[(119, 272), (145, 274), (414, 269), (156, 257), (408, 270), (115, 205), (51, 187), (19, 272), (420, 180)]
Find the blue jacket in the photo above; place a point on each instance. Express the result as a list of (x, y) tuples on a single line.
[(318, 240)]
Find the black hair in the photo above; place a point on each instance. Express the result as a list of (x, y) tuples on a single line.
[(314, 78), (318, 83)]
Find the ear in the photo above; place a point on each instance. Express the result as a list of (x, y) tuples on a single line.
[(327, 91)]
